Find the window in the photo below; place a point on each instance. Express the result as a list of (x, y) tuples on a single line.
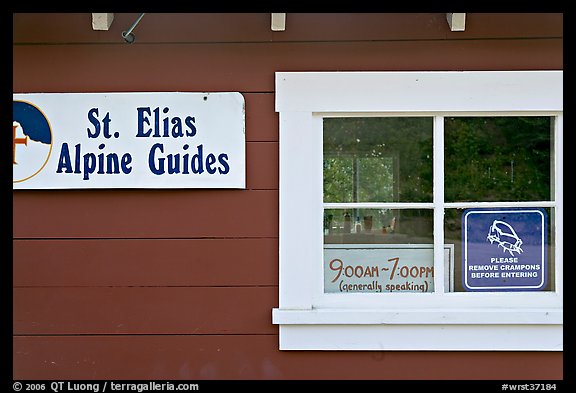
[(420, 210)]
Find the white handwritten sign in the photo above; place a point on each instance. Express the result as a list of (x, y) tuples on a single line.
[(383, 267)]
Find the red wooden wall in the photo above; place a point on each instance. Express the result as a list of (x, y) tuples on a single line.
[(180, 284)]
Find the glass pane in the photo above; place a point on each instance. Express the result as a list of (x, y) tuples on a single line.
[(498, 158), (501, 249), (378, 250), (378, 159), (383, 226)]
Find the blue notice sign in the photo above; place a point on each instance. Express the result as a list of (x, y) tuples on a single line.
[(504, 249)]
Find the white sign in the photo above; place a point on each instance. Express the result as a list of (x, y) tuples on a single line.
[(128, 140), (383, 268)]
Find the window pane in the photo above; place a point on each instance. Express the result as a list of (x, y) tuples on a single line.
[(498, 159), (378, 159), (383, 226), (501, 249), (378, 250)]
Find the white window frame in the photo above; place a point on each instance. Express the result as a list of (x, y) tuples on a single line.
[(309, 319)]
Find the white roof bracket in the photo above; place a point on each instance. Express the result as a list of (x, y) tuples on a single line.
[(101, 21), (278, 22), (457, 22)]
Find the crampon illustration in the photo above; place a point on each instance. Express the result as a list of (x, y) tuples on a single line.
[(504, 235)]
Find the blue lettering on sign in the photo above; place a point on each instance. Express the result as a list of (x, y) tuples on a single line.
[(90, 163), (153, 123), (504, 249), (93, 118), (160, 163), (171, 127)]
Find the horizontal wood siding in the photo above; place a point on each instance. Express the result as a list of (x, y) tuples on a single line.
[(250, 67), (197, 357), (150, 310), (138, 214), (180, 284), (145, 262)]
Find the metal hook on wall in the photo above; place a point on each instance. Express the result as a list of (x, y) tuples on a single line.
[(128, 36)]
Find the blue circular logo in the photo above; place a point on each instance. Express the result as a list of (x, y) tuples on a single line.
[(31, 141)]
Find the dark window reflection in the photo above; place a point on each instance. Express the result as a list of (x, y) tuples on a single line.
[(497, 159)]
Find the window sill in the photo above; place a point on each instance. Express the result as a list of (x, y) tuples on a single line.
[(417, 316), (420, 330)]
